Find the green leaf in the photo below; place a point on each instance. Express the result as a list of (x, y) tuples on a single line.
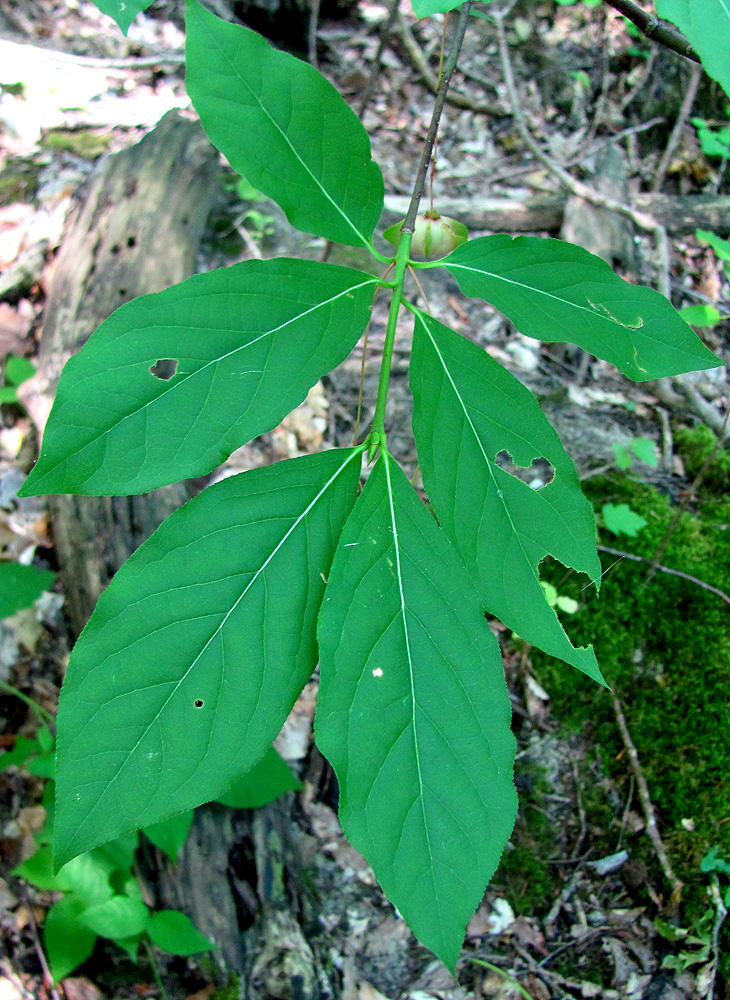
[(413, 712), (269, 779), (130, 945), (424, 8), (171, 834), (700, 315), (284, 127), (198, 649), (249, 341), (174, 932), (620, 519), (645, 450), (117, 918), (555, 291), (24, 748), (468, 409), (706, 23), (68, 941), (18, 370), (87, 876), (721, 247), (123, 11), (20, 586), (713, 142)]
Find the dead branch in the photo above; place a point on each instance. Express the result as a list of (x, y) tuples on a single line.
[(649, 814), (654, 29), (576, 187), (684, 113), (420, 62), (665, 569)]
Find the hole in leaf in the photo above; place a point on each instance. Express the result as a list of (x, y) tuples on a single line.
[(164, 369), (132, 241), (198, 703), (536, 475)]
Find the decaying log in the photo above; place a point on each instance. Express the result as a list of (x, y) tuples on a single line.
[(137, 229), (544, 212)]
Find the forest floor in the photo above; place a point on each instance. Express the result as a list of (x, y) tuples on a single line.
[(583, 904)]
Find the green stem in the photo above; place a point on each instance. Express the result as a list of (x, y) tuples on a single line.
[(155, 970), (505, 975), (42, 714), (377, 435)]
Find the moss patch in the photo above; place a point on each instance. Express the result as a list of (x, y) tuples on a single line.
[(664, 646)]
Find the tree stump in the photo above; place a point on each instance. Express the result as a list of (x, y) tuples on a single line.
[(137, 229)]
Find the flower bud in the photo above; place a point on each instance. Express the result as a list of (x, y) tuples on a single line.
[(434, 236)]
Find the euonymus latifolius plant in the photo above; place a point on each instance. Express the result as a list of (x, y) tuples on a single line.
[(204, 639)]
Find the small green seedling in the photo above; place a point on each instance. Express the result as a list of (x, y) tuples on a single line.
[(640, 448)]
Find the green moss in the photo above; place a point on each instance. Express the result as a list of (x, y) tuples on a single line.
[(529, 883), (664, 646), (84, 143), (695, 445), (18, 180)]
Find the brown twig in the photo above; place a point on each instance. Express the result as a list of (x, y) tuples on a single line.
[(676, 133), (704, 468), (654, 29), (47, 976), (419, 186), (385, 33), (576, 187), (581, 814), (665, 569), (652, 829), (313, 28), (420, 62), (720, 916)]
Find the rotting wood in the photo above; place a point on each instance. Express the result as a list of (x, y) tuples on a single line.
[(680, 216), (137, 229)]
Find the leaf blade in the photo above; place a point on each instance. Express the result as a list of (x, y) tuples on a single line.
[(706, 23), (555, 291), (467, 409), (285, 128), (248, 341), (197, 649), (413, 712), (122, 11), (266, 781)]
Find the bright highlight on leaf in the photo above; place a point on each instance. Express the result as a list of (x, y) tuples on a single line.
[(555, 291), (467, 409), (197, 649), (259, 107), (413, 712), (250, 341)]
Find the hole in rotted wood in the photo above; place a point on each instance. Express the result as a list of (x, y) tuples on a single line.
[(131, 241), (164, 368), (115, 248), (122, 292)]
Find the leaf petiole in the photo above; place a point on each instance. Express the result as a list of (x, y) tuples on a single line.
[(401, 263)]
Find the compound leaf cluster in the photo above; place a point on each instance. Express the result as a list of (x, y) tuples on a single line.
[(204, 639)]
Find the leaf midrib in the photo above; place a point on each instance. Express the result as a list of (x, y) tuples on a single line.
[(215, 634), (198, 371), (399, 575), (299, 159)]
